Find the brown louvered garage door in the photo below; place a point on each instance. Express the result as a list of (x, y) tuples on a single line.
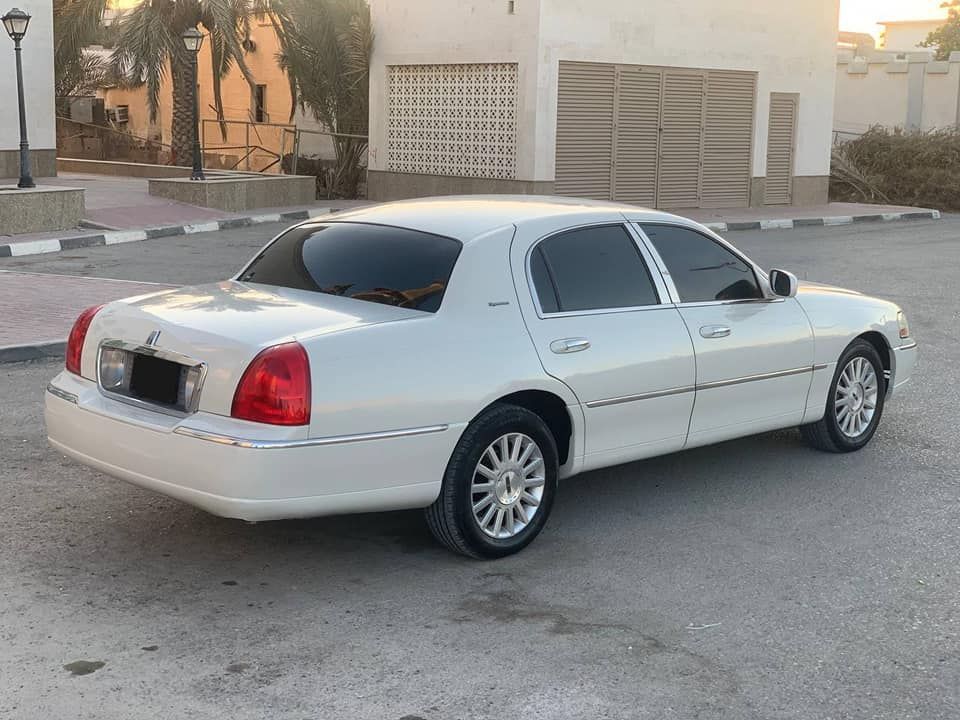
[(637, 136), (728, 139), (585, 130), (656, 136), (780, 144), (681, 139)]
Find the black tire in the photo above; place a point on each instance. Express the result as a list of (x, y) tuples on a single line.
[(826, 433), (451, 518)]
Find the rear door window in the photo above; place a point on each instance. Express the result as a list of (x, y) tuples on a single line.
[(593, 268), (374, 263)]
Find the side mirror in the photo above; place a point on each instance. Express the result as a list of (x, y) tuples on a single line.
[(783, 283)]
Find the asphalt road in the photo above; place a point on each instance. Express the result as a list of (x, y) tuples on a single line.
[(754, 579)]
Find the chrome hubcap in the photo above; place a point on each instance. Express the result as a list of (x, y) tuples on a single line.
[(507, 485), (856, 397)]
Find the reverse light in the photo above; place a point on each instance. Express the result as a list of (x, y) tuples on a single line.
[(78, 334), (904, 327), (275, 388)]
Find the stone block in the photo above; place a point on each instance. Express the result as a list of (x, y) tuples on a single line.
[(237, 192), (39, 209)]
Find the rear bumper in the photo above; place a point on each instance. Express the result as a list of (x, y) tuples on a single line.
[(261, 480)]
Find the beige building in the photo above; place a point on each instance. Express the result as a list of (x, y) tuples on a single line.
[(37, 55), (259, 121), (661, 104), (906, 35)]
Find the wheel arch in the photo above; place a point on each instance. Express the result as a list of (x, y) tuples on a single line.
[(552, 410), (885, 351)]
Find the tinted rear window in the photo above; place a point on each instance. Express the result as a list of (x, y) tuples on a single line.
[(375, 263)]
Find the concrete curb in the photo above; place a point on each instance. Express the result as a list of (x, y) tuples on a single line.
[(787, 224), (114, 237), (46, 350)]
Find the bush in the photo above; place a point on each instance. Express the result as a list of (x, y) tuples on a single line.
[(899, 167)]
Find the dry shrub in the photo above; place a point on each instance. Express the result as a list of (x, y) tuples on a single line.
[(899, 167)]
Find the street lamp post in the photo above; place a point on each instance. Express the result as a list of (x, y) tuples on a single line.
[(192, 40), (15, 22)]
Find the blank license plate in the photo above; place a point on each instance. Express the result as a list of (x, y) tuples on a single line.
[(158, 381)]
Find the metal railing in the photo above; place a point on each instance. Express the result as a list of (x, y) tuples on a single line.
[(102, 142), (243, 145)]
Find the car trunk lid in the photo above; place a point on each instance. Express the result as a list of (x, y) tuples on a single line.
[(224, 325)]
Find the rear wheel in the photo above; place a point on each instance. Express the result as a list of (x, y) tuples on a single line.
[(499, 485), (855, 402)]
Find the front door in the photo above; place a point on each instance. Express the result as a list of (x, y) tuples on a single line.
[(603, 324), (754, 352)]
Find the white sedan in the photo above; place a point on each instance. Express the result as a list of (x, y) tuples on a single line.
[(462, 355)]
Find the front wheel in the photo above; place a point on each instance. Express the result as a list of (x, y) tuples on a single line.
[(499, 485), (855, 402)]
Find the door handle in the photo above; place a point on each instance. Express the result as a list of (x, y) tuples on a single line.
[(569, 345), (714, 331)]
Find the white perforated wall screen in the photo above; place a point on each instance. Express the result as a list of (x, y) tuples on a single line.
[(458, 120)]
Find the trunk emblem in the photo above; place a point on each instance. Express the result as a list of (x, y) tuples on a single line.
[(152, 338)]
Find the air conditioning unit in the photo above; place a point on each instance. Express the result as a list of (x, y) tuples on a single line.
[(119, 115)]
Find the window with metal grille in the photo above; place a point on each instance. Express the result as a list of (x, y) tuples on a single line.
[(458, 120)]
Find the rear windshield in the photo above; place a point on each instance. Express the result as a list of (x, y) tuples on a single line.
[(375, 263)]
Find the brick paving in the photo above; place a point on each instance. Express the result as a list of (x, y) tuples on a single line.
[(41, 308)]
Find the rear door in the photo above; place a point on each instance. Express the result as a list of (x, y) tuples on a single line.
[(602, 323), (754, 352)]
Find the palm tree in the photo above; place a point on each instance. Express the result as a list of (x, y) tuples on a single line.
[(148, 45), (325, 51)]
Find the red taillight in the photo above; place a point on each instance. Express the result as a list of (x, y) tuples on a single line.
[(275, 388), (78, 334)]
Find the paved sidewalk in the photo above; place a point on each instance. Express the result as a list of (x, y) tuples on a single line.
[(119, 209), (788, 217), (39, 309)]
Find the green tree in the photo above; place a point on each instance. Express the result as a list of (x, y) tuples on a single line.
[(946, 38), (325, 52), (148, 46)]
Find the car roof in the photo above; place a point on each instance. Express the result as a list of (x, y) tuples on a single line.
[(466, 217)]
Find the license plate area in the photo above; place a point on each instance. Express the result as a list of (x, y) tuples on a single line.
[(150, 377), (158, 381)]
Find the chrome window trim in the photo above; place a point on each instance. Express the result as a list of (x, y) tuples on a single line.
[(162, 354), (659, 287), (253, 444), (703, 386), (63, 394), (759, 275)]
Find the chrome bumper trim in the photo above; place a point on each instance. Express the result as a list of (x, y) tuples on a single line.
[(908, 346), (309, 442), (62, 394)]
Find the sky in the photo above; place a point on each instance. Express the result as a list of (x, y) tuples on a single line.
[(862, 15)]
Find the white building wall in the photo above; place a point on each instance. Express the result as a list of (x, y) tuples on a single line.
[(916, 94), (940, 90), (868, 95), (409, 32), (792, 47), (38, 82)]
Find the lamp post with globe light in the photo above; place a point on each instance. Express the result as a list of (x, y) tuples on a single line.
[(15, 23), (192, 40)]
